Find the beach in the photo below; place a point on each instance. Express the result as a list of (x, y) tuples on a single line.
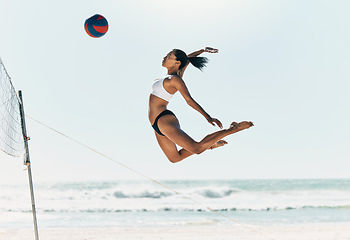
[(315, 232), (222, 209)]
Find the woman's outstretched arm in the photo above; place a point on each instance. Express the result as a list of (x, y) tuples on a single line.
[(180, 85), (206, 49)]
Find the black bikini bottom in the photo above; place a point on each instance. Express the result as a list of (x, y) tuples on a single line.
[(155, 124)]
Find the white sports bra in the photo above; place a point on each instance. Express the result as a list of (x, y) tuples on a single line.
[(159, 91)]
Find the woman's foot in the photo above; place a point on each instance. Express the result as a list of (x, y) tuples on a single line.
[(236, 127), (219, 143)]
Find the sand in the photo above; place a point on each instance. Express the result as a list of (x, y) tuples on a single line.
[(289, 232)]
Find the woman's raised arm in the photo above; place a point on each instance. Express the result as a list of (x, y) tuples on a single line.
[(206, 49)]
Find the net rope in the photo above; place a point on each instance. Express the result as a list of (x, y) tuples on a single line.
[(11, 137)]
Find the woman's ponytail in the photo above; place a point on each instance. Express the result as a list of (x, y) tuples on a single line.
[(198, 62)]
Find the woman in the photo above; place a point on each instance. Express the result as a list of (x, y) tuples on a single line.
[(166, 125)]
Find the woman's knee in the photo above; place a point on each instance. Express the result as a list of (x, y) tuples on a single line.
[(174, 159)]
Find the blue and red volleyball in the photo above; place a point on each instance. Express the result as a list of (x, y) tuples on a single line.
[(96, 26)]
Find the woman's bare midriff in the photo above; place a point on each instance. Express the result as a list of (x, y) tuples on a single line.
[(156, 106)]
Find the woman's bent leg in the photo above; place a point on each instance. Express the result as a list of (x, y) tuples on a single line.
[(170, 127), (170, 150)]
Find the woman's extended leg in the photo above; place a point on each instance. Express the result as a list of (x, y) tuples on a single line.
[(170, 127)]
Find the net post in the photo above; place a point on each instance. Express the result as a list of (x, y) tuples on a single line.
[(27, 162)]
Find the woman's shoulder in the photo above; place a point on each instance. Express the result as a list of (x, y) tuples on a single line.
[(175, 78), (177, 82)]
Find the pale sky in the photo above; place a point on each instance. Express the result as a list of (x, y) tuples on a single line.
[(282, 64)]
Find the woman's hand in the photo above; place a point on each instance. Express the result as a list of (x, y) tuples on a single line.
[(211, 50), (212, 121)]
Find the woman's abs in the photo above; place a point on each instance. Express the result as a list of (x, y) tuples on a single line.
[(156, 106)]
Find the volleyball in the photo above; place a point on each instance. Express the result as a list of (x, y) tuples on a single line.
[(96, 26)]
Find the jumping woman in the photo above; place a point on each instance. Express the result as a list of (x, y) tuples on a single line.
[(166, 125)]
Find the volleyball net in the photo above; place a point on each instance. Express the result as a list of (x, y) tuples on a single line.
[(13, 133), (11, 136)]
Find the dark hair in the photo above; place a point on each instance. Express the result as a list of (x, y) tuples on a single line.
[(198, 62)]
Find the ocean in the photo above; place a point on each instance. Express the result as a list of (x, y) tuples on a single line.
[(138, 203)]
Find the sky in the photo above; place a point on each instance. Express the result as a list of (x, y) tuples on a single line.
[(282, 64)]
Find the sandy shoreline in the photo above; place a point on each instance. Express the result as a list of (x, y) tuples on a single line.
[(306, 232)]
